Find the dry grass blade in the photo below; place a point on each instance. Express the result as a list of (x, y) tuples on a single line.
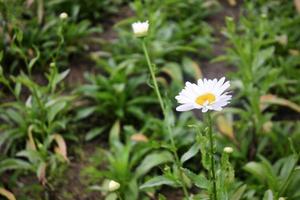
[(30, 142), (7, 194), (139, 137), (40, 11), (41, 173), (297, 5), (61, 149), (232, 2), (265, 100), (226, 128)]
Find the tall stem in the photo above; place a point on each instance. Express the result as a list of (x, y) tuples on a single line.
[(163, 108), (212, 160)]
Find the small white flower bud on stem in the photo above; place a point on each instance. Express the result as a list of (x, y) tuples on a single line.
[(140, 29), (228, 149), (113, 186), (63, 16)]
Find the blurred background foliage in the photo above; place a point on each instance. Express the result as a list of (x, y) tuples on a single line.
[(77, 100)]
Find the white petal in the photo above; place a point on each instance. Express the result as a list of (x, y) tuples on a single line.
[(185, 107), (183, 99), (223, 88), (204, 109)]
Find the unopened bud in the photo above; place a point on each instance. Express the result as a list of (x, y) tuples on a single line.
[(228, 149), (140, 29), (113, 186), (63, 16)]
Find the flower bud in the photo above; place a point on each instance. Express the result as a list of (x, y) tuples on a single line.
[(264, 15), (63, 16), (228, 149), (140, 29), (113, 185), (52, 64)]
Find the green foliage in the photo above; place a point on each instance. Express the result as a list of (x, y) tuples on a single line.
[(32, 30), (33, 125), (116, 106)]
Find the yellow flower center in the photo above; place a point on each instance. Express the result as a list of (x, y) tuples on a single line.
[(207, 97)]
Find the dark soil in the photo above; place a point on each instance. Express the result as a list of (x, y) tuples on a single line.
[(219, 69)]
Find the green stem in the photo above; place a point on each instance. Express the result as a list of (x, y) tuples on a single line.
[(163, 108), (212, 160)]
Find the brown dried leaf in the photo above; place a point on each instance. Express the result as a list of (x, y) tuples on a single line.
[(30, 142), (268, 99), (226, 128), (40, 11), (41, 173), (294, 52), (232, 2), (29, 3), (297, 5), (7, 194), (198, 72), (267, 126), (62, 147), (139, 137)]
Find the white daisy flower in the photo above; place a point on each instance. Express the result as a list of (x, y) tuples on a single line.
[(206, 95), (140, 29)]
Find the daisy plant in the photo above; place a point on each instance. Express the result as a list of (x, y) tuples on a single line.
[(206, 95), (140, 30)]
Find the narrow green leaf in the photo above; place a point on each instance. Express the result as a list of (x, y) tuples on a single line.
[(13, 164), (83, 113), (190, 153), (198, 179), (114, 134), (238, 194), (55, 109), (94, 133), (268, 195), (152, 160), (158, 181)]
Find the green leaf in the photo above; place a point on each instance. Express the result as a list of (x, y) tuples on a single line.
[(114, 134), (55, 109), (238, 194), (33, 61), (198, 179), (15, 116), (262, 57), (13, 164), (190, 153), (173, 70), (158, 181), (85, 112), (191, 68), (256, 169), (152, 160), (31, 155), (17, 89), (59, 77), (268, 195), (94, 133), (203, 141)]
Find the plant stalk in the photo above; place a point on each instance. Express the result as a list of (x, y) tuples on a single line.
[(212, 160), (163, 108)]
